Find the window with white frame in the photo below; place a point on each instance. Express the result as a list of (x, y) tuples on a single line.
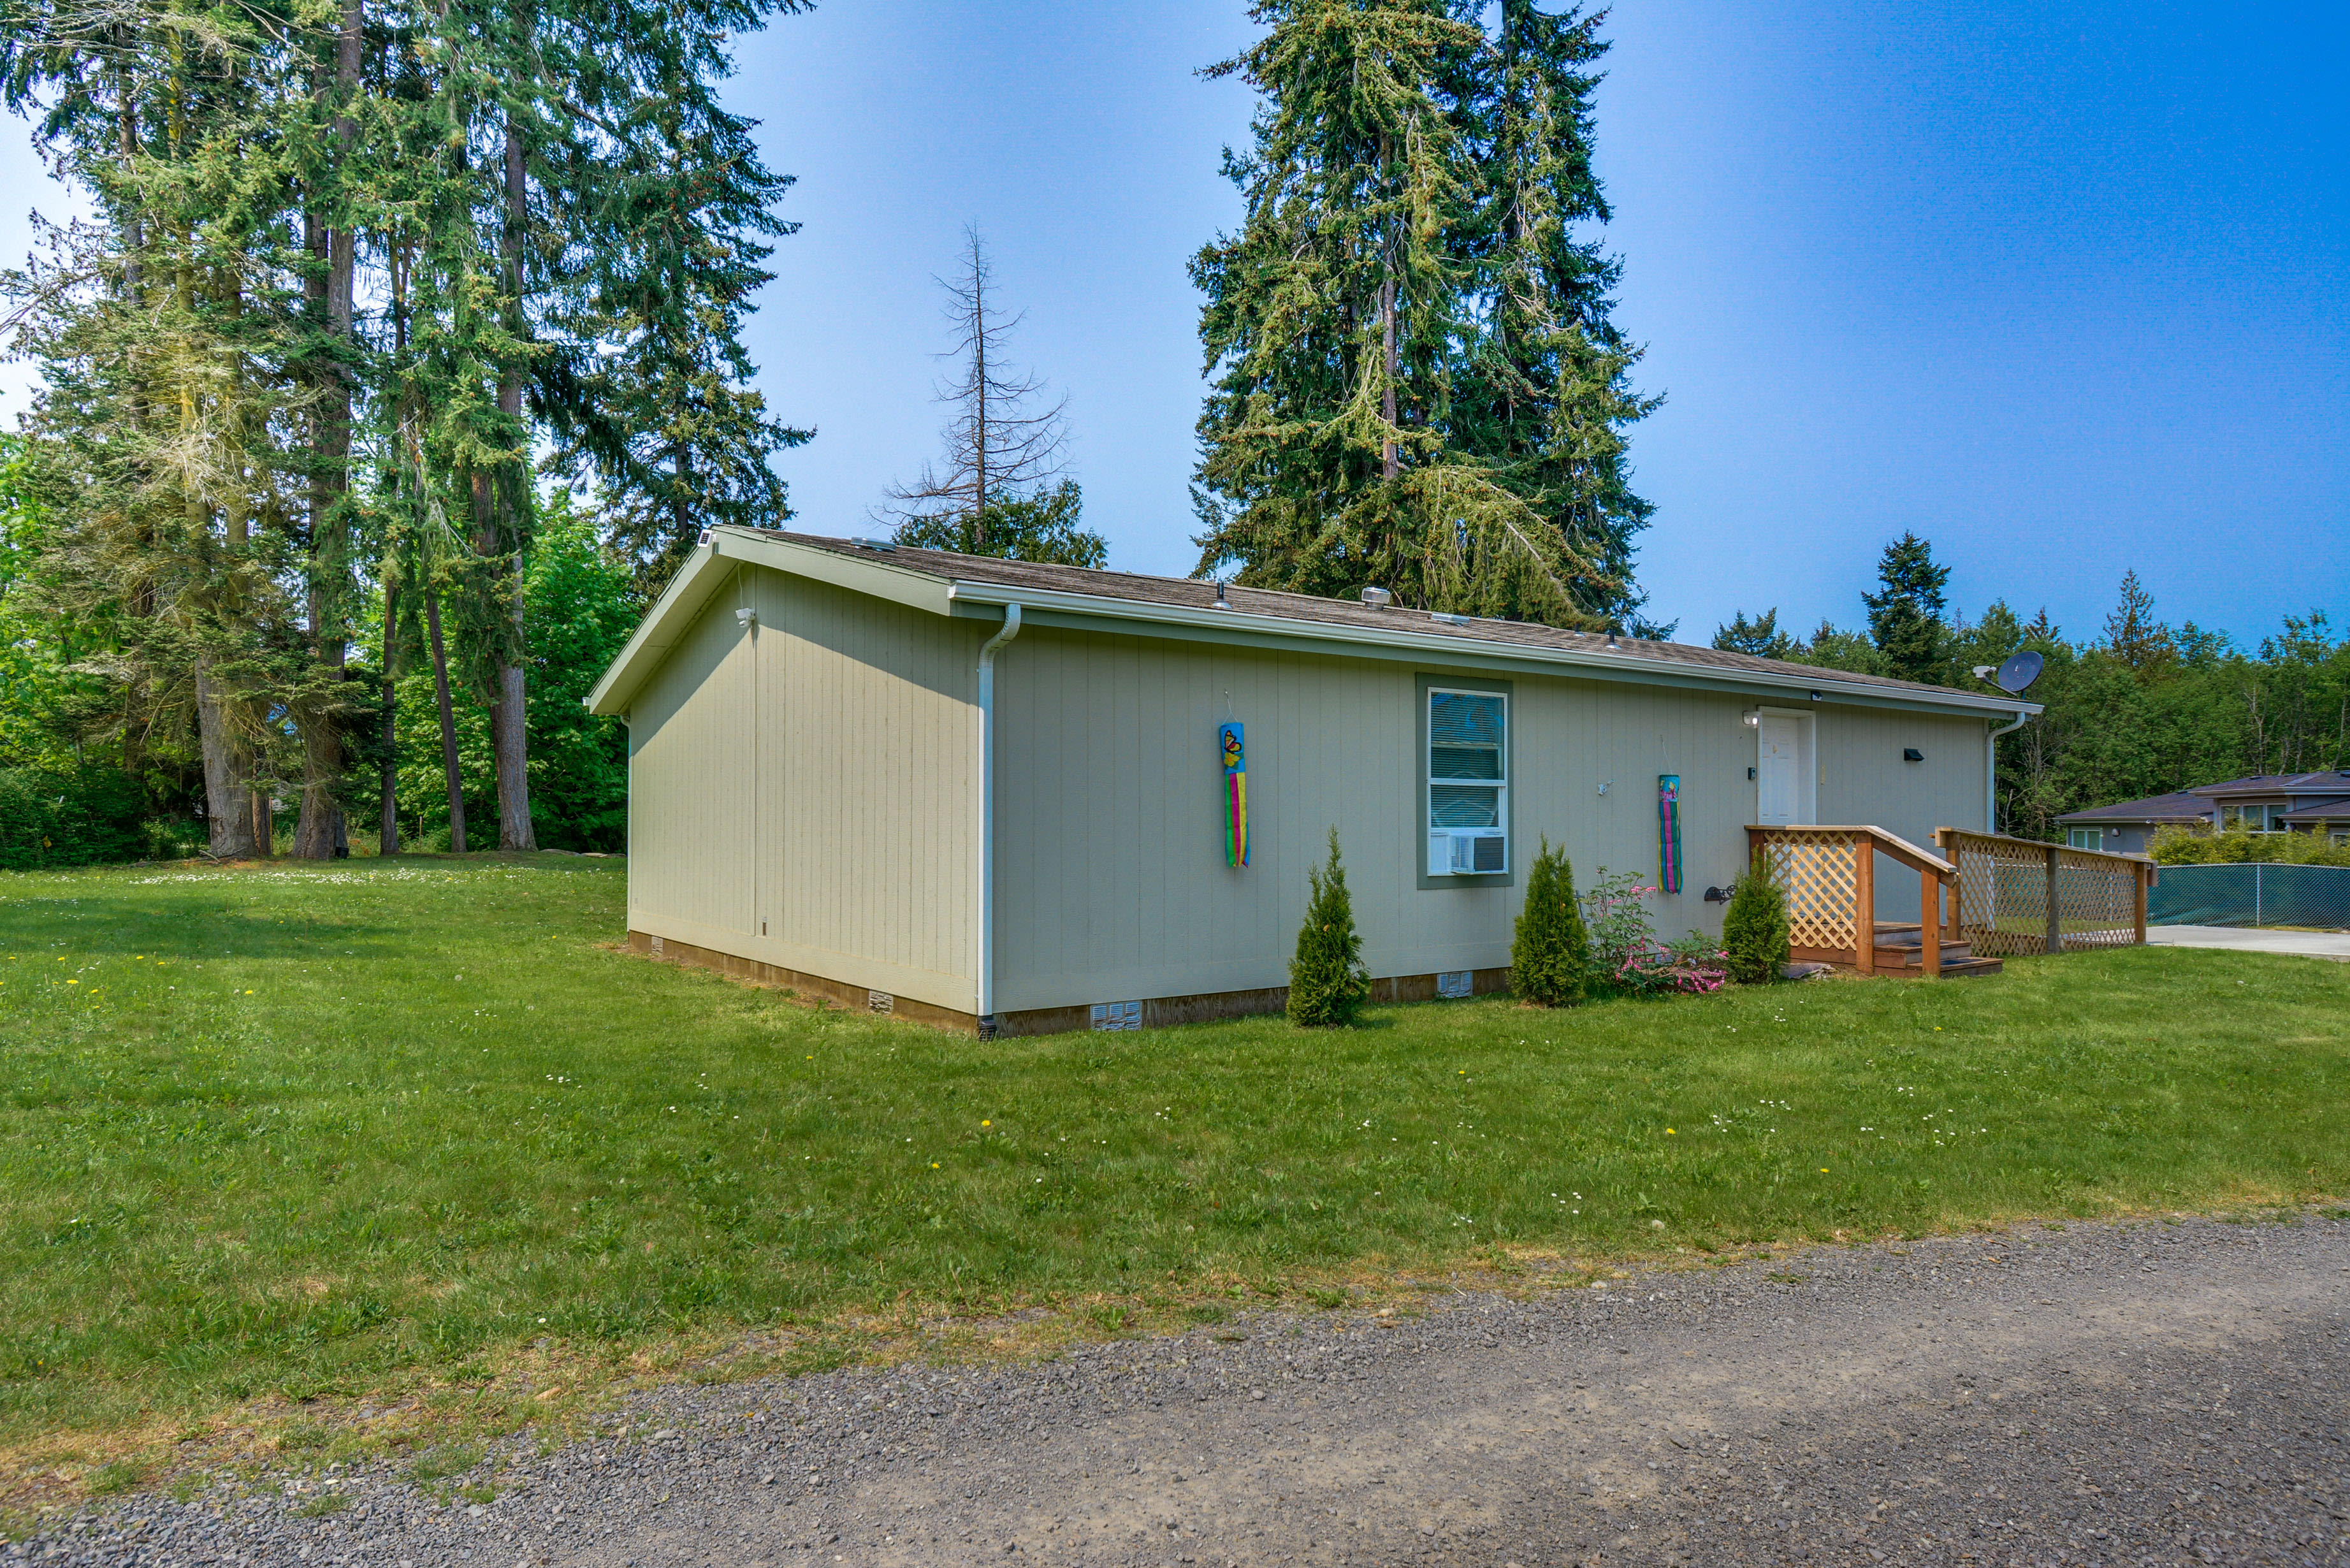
[(2338, 833), (2254, 819), (2085, 838), (1468, 783)]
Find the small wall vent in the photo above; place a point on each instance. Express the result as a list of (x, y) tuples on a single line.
[(1118, 1015), (1456, 982)]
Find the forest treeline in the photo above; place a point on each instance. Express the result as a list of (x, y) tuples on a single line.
[(2135, 709), (399, 360), (366, 287)]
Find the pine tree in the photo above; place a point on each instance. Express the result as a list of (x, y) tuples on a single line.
[(2135, 637), (1759, 637), (1754, 930), (1040, 527), (1411, 181), (674, 435), (1550, 958), (1906, 614), (1327, 982), (1543, 391)]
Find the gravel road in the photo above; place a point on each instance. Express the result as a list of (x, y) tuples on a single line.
[(2110, 1394)]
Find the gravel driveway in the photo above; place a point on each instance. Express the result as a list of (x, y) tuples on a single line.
[(2147, 1393)]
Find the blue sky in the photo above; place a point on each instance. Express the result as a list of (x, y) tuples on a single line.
[(2060, 287)]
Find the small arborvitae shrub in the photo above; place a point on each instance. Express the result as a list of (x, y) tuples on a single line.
[(1550, 961), (1327, 982), (1754, 930)]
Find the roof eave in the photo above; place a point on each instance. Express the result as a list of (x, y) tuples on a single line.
[(1620, 666), (707, 570)]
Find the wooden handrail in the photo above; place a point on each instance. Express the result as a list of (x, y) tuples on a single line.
[(1892, 844), (1943, 836)]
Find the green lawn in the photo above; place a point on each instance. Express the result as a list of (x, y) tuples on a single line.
[(303, 1134)]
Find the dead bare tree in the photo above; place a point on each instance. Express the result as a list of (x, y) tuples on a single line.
[(997, 442)]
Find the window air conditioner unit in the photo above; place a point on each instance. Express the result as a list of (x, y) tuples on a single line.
[(1467, 852)]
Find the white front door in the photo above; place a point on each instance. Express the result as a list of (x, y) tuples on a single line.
[(1779, 772)]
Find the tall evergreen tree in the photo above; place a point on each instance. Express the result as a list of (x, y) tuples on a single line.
[(645, 383), (1543, 391), (1409, 389), (1759, 637), (549, 196), (2135, 637), (1906, 613)]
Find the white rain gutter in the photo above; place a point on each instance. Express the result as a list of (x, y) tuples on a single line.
[(1991, 772), (987, 652)]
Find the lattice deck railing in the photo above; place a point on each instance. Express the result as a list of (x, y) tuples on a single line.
[(2019, 896), (1829, 875)]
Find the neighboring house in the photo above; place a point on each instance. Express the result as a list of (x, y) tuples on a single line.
[(812, 725), (2263, 803), (2128, 827), (2285, 802)]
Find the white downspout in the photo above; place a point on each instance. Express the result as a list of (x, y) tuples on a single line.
[(987, 816), (1990, 773)]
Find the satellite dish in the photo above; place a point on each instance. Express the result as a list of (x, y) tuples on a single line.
[(2020, 671)]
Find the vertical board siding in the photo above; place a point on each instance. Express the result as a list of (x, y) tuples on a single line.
[(1867, 781), (1111, 880), (816, 774), (692, 773)]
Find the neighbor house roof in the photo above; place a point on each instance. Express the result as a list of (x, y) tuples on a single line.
[(977, 585), (2330, 781), (2180, 805), (2320, 811)]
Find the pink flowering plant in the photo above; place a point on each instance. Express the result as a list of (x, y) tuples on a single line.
[(1626, 954)]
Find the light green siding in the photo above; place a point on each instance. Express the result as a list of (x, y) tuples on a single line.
[(804, 790), (1110, 874)]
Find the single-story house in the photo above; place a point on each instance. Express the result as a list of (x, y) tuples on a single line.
[(2127, 826), (969, 789), (2262, 803)]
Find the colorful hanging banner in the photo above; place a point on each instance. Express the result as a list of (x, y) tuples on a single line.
[(1668, 832), (1230, 745)]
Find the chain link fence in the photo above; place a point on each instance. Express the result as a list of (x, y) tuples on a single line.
[(2316, 896)]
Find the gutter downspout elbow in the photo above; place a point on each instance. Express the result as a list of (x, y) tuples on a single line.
[(1990, 773), (987, 652)]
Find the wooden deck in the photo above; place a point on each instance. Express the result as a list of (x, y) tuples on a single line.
[(1974, 902)]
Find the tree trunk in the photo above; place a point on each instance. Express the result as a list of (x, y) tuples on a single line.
[(978, 381), (321, 833), (1390, 458), (388, 781), (509, 711), (228, 773), (448, 724)]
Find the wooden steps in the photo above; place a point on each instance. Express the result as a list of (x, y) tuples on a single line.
[(1903, 946)]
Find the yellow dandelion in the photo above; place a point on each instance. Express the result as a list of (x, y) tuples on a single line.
[(987, 1123), (1669, 1132), (934, 1165)]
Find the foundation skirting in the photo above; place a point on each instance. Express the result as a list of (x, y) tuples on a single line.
[(1156, 1011)]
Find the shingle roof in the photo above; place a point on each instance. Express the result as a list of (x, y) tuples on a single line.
[(2321, 811), (2180, 805), (2328, 782), (1194, 594)]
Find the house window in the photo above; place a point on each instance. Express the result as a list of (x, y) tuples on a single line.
[(2085, 838), (1468, 783), (2338, 836), (2254, 819)]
